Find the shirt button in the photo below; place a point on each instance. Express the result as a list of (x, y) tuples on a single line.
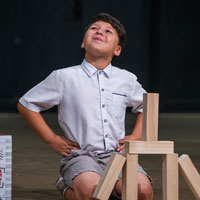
[(100, 72), (106, 136), (102, 89), (103, 106), (105, 120)]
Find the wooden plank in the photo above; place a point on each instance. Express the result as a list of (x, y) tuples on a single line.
[(149, 147), (170, 177), (130, 178), (150, 117), (190, 174), (109, 177)]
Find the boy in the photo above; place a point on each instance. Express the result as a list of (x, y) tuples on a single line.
[(91, 99)]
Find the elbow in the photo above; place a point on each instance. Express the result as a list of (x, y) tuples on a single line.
[(19, 107)]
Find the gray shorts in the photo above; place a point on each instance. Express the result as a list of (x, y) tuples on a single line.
[(80, 161)]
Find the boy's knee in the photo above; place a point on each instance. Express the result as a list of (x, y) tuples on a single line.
[(85, 184), (86, 191), (145, 191)]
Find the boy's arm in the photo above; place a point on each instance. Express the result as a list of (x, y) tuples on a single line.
[(135, 135), (58, 143)]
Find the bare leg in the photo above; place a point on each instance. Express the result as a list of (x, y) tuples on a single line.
[(69, 194), (145, 191), (83, 186)]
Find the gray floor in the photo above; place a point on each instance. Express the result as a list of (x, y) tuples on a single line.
[(35, 165)]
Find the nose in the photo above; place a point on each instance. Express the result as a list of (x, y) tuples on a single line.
[(99, 31)]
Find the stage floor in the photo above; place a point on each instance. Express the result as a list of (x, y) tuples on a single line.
[(36, 166)]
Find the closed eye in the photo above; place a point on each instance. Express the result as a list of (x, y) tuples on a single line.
[(93, 28), (108, 31)]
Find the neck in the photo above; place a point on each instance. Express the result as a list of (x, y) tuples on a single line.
[(99, 63)]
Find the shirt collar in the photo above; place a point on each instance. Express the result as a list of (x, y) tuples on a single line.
[(90, 69)]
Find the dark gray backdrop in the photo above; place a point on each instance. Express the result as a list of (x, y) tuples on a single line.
[(162, 48)]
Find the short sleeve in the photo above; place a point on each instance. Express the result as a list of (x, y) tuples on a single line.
[(44, 95), (136, 94)]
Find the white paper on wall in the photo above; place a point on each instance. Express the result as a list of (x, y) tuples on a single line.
[(5, 167)]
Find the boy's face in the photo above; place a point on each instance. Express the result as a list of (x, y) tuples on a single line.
[(101, 39)]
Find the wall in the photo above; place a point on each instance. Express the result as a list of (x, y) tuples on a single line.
[(162, 48)]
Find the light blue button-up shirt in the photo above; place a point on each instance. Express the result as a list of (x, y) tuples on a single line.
[(91, 103)]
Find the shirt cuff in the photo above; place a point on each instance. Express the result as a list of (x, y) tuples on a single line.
[(29, 106), (135, 111)]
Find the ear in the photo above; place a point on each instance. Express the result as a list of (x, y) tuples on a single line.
[(117, 50), (82, 45)]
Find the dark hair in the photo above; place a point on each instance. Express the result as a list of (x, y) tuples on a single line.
[(115, 23)]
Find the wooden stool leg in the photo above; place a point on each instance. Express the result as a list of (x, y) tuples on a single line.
[(170, 177), (109, 177), (130, 178), (190, 174)]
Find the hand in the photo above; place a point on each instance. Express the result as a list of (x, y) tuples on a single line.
[(121, 142), (63, 146)]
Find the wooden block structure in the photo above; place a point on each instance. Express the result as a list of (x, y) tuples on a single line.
[(150, 145)]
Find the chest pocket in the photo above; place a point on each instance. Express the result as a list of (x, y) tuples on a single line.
[(118, 106)]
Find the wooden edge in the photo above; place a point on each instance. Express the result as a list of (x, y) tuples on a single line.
[(150, 116), (149, 147), (190, 174), (109, 177), (170, 177), (130, 178)]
